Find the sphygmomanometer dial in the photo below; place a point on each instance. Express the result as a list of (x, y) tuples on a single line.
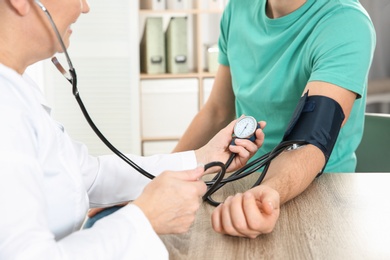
[(245, 127)]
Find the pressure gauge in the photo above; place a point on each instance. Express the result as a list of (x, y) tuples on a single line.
[(245, 128)]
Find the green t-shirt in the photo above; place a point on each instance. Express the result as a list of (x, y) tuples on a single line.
[(272, 60)]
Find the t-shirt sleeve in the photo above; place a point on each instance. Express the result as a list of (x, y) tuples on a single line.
[(223, 37), (343, 47)]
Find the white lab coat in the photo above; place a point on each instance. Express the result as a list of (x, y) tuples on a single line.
[(48, 182)]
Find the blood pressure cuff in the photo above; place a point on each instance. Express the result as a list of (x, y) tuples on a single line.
[(317, 120)]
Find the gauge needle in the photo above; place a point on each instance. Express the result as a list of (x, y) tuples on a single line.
[(244, 129)]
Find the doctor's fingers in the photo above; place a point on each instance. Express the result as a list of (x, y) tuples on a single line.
[(250, 146), (262, 124), (190, 188), (260, 134), (187, 175), (244, 148), (190, 176), (229, 128)]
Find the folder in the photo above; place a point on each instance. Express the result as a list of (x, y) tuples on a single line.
[(177, 4), (212, 58), (153, 4), (152, 47), (176, 44)]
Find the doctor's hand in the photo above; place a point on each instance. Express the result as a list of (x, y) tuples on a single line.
[(172, 199), (219, 148), (248, 214)]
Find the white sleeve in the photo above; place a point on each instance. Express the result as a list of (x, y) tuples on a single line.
[(115, 181), (130, 230), (125, 234)]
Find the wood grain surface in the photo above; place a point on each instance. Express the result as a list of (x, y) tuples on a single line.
[(340, 216)]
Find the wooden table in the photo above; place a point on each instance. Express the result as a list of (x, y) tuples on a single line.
[(340, 216)]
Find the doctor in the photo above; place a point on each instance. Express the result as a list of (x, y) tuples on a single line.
[(48, 181)]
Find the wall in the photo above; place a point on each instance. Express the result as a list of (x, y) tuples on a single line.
[(104, 51), (379, 11)]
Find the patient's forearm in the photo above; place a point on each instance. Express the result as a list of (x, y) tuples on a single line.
[(292, 171)]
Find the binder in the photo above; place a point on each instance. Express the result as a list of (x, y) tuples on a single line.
[(152, 47), (176, 44), (177, 4), (153, 4), (212, 58)]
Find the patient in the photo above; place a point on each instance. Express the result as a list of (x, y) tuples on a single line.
[(272, 52)]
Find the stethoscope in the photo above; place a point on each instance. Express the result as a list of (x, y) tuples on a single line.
[(245, 127)]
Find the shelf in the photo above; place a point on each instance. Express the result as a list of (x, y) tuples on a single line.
[(172, 100), (177, 76), (172, 12), (169, 76), (160, 138)]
